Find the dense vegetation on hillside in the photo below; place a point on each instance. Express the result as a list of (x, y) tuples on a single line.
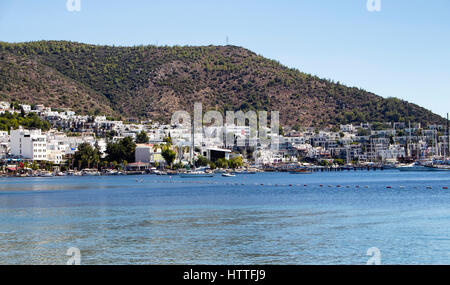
[(153, 82), (9, 121)]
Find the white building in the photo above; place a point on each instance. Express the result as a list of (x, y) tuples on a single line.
[(148, 153), (55, 156), (4, 144), (347, 128), (5, 105), (26, 108), (28, 144)]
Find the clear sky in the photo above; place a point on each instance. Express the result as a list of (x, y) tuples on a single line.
[(401, 51)]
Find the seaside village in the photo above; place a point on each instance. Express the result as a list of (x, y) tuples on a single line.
[(72, 144)]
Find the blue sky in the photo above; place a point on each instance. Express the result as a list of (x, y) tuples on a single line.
[(402, 51)]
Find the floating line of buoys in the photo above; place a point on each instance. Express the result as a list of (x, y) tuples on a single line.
[(279, 185)]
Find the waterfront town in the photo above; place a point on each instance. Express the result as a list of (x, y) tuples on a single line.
[(60, 142)]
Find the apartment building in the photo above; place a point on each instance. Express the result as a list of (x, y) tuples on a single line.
[(28, 144)]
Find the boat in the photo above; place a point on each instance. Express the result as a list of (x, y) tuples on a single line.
[(73, 173), (112, 172), (301, 171), (196, 174), (243, 172), (46, 174), (415, 167), (90, 172), (228, 175), (440, 167)]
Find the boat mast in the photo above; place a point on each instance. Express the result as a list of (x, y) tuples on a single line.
[(409, 140), (192, 146), (448, 139)]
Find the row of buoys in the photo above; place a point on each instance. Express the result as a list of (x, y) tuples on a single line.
[(275, 185)]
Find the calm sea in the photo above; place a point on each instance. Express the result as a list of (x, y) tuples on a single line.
[(173, 220)]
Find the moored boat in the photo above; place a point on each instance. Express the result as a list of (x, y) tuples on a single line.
[(301, 171), (415, 167), (90, 172), (196, 174), (46, 174)]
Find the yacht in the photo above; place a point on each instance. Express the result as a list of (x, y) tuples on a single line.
[(415, 167), (196, 174), (90, 172), (46, 174)]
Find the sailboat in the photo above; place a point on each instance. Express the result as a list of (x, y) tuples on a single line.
[(444, 164), (196, 173)]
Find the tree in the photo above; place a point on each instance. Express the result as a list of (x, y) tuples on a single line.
[(10, 121), (222, 163), (122, 150), (34, 166), (142, 137), (169, 155), (86, 156), (212, 165), (236, 162), (168, 140), (201, 161), (363, 132)]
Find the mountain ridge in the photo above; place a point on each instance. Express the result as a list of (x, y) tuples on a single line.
[(154, 82)]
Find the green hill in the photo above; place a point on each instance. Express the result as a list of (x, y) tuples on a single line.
[(153, 82)]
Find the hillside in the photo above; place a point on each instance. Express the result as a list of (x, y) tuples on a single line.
[(153, 82)]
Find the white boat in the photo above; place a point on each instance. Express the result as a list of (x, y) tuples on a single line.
[(415, 167), (90, 172), (46, 174), (196, 174), (244, 172), (111, 172), (228, 175)]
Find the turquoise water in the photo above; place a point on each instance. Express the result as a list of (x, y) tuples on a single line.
[(171, 220)]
